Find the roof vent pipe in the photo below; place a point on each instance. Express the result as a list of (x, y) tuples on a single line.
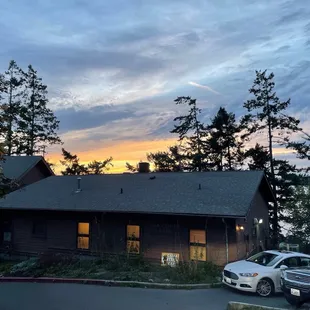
[(78, 185)]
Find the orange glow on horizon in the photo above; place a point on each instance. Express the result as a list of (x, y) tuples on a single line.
[(126, 151)]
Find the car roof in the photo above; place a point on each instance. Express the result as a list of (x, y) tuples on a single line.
[(286, 253)]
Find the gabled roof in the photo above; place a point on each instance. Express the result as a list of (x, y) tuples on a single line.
[(15, 167), (201, 193)]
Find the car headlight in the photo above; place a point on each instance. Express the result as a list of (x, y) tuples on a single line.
[(248, 275)]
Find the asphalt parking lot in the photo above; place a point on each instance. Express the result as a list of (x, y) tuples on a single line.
[(31, 296)]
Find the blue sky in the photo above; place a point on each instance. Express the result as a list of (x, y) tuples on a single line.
[(113, 68)]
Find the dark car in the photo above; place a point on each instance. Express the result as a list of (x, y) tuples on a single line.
[(295, 284)]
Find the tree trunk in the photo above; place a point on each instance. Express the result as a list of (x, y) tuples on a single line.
[(31, 150), (10, 120), (273, 183), (32, 131), (229, 158), (198, 142)]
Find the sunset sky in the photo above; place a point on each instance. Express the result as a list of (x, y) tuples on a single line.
[(113, 68)]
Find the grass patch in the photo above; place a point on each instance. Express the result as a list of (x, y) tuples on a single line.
[(118, 268)]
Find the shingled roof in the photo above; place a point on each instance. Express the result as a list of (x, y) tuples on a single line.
[(204, 193), (15, 167)]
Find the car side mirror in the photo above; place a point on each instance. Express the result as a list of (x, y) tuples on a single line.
[(283, 267)]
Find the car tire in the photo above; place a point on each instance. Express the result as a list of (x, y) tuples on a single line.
[(293, 301), (265, 287)]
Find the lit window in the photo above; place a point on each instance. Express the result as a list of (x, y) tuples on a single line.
[(197, 248), (83, 236), (133, 239)]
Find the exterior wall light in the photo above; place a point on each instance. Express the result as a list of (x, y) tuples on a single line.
[(239, 227)]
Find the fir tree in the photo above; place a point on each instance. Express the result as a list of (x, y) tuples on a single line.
[(302, 148), (99, 167), (168, 161), (191, 131), (266, 113), (38, 124), (11, 94), (131, 168), (223, 143), (72, 164)]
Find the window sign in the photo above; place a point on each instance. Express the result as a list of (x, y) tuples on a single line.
[(170, 259)]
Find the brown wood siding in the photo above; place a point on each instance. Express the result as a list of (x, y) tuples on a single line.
[(259, 210), (158, 233), (24, 240), (219, 249), (61, 234)]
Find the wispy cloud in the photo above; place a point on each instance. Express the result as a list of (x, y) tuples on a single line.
[(113, 68), (204, 87)]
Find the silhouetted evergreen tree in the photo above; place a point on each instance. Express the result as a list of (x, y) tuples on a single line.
[(99, 167), (168, 161), (223, 143), (192, 132), (38, 124), (266, 113), (12, 92), (72, 164)]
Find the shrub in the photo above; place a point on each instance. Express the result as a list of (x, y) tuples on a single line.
[(25, 268), (211, 269), (48, 259), (5, 267), (193, 272), (124, 262)]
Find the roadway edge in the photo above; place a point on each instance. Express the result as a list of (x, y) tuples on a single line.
[(110, 283)]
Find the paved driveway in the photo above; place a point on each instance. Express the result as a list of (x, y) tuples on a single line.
[(32, 296)]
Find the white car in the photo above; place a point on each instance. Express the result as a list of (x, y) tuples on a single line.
[(261, 273)]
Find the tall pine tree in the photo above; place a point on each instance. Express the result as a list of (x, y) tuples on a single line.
[(99, 167), (168, 161), (11, 95), (223, 143), (302, 148), (286, 178), (191, 131), (38, 124), (267, 113), (72, 164), (298, 210)]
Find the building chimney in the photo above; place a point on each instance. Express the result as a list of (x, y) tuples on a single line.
[(144, 167), (78, 185)]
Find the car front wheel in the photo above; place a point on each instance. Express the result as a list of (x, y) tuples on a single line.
[(265, 288)]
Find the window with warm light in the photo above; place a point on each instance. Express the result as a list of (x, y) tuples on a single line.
[(133, 239), (197, 248), (83, 236)]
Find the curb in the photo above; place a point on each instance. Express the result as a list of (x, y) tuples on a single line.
[(109, 283), (245, 306)]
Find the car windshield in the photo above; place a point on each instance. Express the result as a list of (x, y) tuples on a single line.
[(264, 259)]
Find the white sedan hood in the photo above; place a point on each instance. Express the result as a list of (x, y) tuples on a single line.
[(244, 266)]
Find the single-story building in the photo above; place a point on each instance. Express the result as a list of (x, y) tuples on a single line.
[(214, 216), (25, 170)]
